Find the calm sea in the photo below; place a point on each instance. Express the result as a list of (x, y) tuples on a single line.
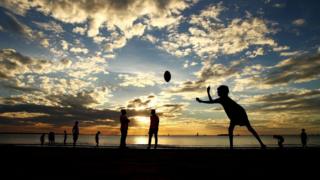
[(179, 141)]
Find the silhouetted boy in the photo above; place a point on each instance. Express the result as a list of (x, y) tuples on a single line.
[(304, 138), (280, 140), (51, 138), (124, 128), (42, 138), (234, 111), (65, 137), (97, 138), (75, 132), (153, 130)]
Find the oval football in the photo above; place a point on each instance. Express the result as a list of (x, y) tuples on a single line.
[(167, 76)]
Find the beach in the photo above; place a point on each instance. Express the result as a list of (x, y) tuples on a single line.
[(164, 163)]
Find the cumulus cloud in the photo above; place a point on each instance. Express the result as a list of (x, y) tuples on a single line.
[(64, 45), (163, 106), (255, 53), (80, 30), (13, 64), (139, 79), (208, 36), (130, 18), (79, 50), (45, 42)]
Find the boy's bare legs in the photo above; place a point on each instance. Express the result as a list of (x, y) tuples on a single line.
[(156, 140), (150, 138), (250, 128), (231, 128)]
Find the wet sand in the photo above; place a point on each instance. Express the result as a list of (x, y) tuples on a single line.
[(165, 163)]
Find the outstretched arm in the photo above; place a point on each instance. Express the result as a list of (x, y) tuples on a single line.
[(210, 101)]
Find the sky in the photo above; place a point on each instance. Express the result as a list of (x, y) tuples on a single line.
[(66, 61)]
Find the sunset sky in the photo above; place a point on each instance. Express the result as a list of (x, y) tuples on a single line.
[(68, 60)]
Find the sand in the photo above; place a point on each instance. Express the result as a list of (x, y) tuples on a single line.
[(166, 163)]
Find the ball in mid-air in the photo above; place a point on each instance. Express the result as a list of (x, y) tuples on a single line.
[(167, 76)]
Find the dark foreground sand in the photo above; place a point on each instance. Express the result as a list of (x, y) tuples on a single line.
[(179, 163)]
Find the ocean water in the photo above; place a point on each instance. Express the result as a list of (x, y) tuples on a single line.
[(178, 141)]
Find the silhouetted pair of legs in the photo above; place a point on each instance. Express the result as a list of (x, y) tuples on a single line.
[(75, 139), (123, 138), (151, 133), (250, 128)]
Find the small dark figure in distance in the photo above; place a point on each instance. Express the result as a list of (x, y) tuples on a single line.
[(42, 138), (97, 138), (280, 140), (75, 133), (304, 138), (65, 137), (51, 138)]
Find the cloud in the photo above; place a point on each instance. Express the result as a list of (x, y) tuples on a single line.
[(129, 18), (299, 69), (50, 26), (79, 50), (57, 116), (295, 101), (164, 107), (139, 79), (208, 36), (292, 53), (80, 30), (279, 5), (150, 38), (45, 42), (13, 25), (116, 43), (255, 53), (13, 63), (64, 45), (299, 22), (212, 74)]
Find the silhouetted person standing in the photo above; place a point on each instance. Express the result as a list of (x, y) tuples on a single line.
[(234, 111), (75, 132), (42, 138), (65, 137), (97, 138), (280, 140), (51, 138), (153, 130), (304, 138), (124, 128)]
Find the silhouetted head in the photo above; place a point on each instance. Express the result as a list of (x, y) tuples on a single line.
[(153, 111), (123, 112), (98, 132), (223, 91), (76, 123), (303, 130), (65, 131)]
